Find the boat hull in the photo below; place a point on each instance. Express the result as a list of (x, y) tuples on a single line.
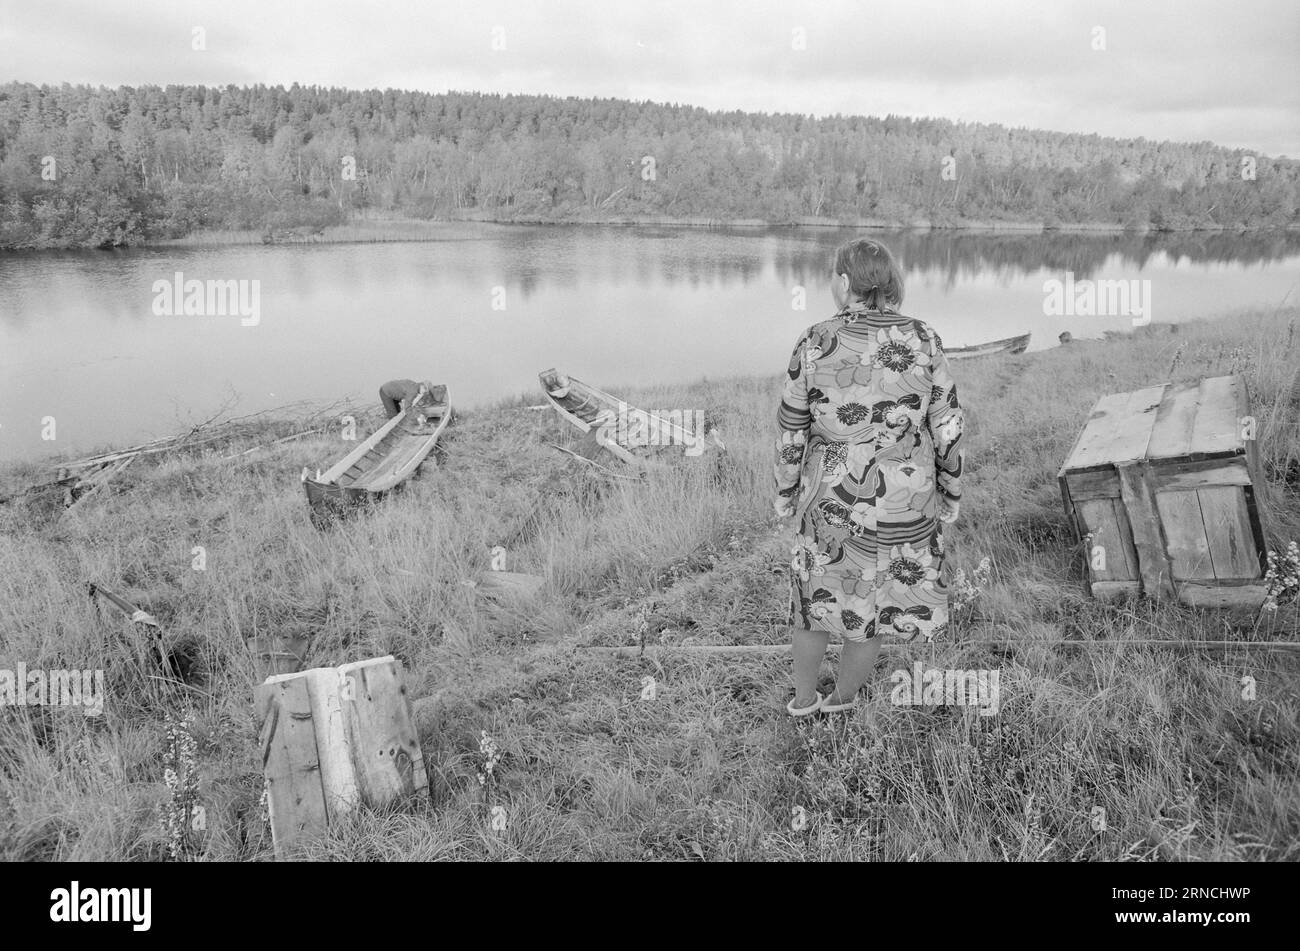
[(329, 501), (1012, 345), (382, 463), (594, 411)]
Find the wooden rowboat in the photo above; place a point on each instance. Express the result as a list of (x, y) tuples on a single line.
[(618, 427), (384, 461), (1007, 345)]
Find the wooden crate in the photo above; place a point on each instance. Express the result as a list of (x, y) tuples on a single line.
[(1167, 482), (333, 738)]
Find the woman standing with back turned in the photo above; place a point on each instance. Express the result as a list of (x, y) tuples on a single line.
[(869, 463)]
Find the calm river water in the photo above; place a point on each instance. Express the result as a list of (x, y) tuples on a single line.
[(87, 337)]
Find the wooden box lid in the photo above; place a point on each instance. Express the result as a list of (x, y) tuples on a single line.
[(1168, 421)]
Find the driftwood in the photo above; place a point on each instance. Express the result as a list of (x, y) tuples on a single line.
[(90, 485), (602, 469), (276, 442)]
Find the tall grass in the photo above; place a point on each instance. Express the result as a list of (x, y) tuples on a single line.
[(1096, 753)]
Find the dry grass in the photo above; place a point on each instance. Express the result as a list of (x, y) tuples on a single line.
[(1183, 766)]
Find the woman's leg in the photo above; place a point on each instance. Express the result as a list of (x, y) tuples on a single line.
[(857, 661), (808, 648)]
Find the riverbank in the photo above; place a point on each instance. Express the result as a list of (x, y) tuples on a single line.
[(407, 229), (1173, 756)]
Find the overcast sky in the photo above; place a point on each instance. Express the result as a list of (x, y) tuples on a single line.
[(1176, 69)]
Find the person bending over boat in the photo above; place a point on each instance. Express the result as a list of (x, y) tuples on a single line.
[(402, 392), (869, 463)]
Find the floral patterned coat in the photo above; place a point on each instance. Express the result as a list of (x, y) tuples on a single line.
[(870, 438)]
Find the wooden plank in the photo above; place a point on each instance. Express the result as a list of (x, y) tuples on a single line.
[(1133, 431), (386, 749), (290, 762), (337, 776), (1115, 590), (1185, 535), (1118, 429), (1104, 518), (1230, 470), (1096, 433), (1144, 523), (1228, 528), (1218, 426), (1172, 433), (1257, 496), (1094, 484), (1239, 597)]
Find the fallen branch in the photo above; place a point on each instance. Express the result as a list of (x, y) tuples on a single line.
[(276, 442), (96, 482), (604, 470)]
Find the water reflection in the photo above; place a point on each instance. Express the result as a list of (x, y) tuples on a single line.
[(626, 306)]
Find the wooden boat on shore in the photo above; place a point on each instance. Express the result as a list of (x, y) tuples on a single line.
[(1006, 345), (618, 427), (384, 461)]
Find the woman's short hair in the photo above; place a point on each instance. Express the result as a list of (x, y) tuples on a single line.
[(874, 275)]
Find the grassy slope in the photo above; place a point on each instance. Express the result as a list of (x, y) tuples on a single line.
[(1183, 766)]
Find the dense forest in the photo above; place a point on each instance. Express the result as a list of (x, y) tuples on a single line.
[(95, 167)]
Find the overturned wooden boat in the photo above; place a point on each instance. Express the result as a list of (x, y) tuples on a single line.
[(384, 461), (1006, 345), (618, 427)]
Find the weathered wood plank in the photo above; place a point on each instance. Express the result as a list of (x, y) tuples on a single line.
[(1094, 484), (1218, 426), (1184, 530), (1107, 523), (337, 775), (1144, 522), (1133, 432), (1172, 433), (1195, 475), (290, 762), (1228, 528), (386, 749), (1220, 596), (1115, 590), (1093, 446)]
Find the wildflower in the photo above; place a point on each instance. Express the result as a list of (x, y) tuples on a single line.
[(181, 777), (491, 754), (1282, 580)]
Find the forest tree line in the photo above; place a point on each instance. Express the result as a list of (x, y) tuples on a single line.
[(97, 167)]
